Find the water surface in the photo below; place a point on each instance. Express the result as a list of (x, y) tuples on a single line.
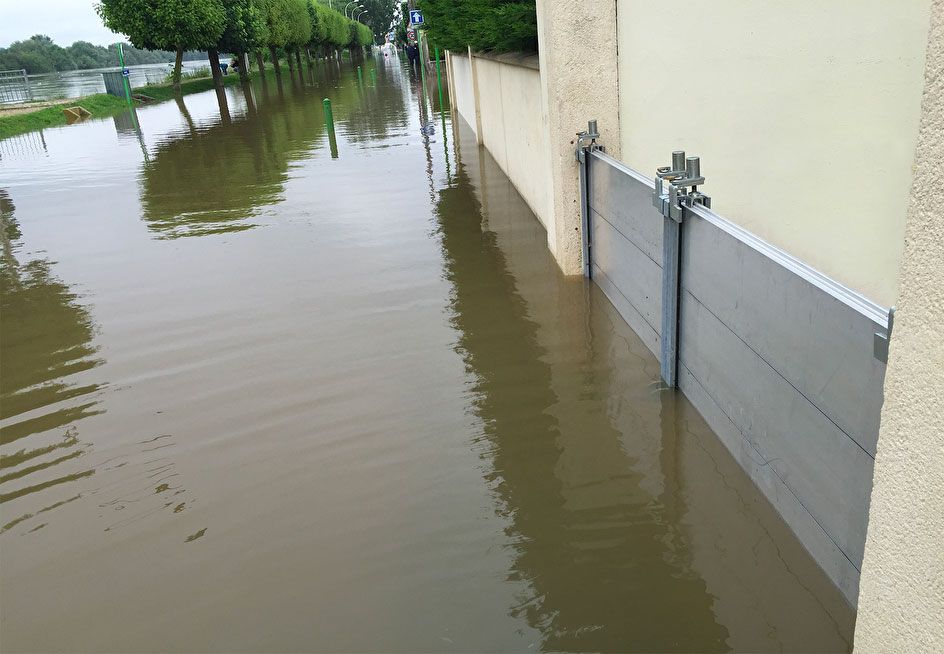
[(77, 83), (268, 389)]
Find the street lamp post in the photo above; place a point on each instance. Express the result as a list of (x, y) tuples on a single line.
[(353, 2)]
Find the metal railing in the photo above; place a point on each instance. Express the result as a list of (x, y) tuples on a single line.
[(14, 86)]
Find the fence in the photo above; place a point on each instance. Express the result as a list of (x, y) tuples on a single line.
[(14, 86)]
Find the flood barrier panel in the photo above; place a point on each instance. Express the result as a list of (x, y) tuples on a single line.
[(780, 359)]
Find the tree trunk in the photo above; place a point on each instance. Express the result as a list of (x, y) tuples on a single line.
[(308, 57), (214, 57), (288, 60), (298, 60), (275, 61), (178, 61), (243, 60), (260, 63)]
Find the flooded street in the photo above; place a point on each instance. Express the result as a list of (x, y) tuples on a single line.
[(268, 390)]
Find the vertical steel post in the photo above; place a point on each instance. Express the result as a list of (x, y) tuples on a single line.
[(585, 213), (583, 158), (671, 254), (682, 175)]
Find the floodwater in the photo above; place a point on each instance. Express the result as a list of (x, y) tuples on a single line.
[(268, 389), (76, 83)]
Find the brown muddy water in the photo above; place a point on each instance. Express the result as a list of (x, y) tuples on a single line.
[(259, 397)]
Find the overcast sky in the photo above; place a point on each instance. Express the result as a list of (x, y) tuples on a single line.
[(63, 20)]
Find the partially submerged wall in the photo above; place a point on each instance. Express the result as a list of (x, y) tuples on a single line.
[(507, 107)]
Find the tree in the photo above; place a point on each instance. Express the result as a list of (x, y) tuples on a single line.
[(486, 25), (299, 29), (245, 29), (379, 16), (37, 54), (167, 24)]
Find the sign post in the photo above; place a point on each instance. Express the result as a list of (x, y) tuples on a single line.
[(416, 20), (125, 73)]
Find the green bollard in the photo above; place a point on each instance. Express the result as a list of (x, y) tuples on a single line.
[(360, 78), (329, 118), (373, 76)]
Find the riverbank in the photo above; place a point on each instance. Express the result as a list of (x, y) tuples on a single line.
[(22, 119)]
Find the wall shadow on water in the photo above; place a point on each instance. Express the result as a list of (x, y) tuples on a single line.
[(217, 178), (606, 570)]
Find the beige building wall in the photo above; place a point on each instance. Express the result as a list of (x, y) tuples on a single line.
[(579, 82), (804, 115), (901, 599)]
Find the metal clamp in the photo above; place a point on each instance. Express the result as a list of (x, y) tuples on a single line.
[(881, 341), (590, 134), (684, 173)]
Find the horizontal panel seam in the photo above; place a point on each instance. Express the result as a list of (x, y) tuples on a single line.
[(766, 464), (759, 356), (628, 239), (628, 301)]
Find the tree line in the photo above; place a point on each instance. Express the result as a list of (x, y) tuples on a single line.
[(239, 27), (38, 54)]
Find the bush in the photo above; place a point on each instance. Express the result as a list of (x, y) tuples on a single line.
[(483, 25)]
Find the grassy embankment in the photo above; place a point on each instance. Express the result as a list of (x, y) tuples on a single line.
[(100, 105)]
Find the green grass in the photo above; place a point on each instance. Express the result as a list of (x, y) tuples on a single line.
[(102, 104), (162, 92), (98, 105)]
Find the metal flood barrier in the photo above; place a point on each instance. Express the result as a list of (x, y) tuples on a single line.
[(14, 86), (785, 364)]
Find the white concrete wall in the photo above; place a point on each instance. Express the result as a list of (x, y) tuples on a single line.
[(464, 101), (513, 123), (901, 603), (804, 115)]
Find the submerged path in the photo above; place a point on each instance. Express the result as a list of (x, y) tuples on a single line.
[(266, 390)]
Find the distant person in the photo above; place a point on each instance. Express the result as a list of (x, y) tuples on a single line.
[(413, 54)]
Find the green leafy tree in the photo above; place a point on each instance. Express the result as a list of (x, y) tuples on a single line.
[(166, 24), (485, 25), (299, 29), (244, 29), (277, 15), (378, 16), (37, 54)]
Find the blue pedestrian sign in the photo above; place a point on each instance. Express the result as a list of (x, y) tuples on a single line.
[(126, 72), (416, 18)]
